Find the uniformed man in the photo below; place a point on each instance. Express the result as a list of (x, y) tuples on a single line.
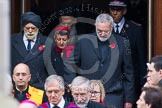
[(132, 32)]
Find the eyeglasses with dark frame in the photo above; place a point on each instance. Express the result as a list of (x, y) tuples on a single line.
[(95, 93)]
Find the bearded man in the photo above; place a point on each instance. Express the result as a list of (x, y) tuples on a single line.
[(28, 46), (105, 56)]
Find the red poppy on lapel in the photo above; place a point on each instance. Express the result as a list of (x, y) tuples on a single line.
[(28, 95), (72, 105), (112, 45), (68, 50), (41, 47)]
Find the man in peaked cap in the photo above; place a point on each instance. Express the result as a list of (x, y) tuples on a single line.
[(28, 47), (132, 33)]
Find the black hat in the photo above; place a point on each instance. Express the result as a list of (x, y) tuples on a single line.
[(30, 17), (117, 3)]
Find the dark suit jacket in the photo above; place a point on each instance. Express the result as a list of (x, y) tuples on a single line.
[(34, 59), (133, 32), (20, 96), (109, 69), (92, 104), (57, 61), (47, 105)]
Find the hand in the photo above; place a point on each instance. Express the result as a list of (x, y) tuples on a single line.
[(127, 105)]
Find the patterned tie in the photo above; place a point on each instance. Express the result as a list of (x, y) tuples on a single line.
[(117, 29), (29, 45)]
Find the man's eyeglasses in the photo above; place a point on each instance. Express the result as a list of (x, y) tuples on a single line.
[(79, 94), (32, 28), (104, 31)]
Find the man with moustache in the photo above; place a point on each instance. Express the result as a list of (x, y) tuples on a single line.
[(133, 34), (104, 55), (80, 88), (28, 46)]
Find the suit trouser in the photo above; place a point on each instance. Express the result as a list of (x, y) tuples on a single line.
[(114, 100)]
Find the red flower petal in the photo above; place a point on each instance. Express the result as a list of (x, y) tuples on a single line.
[(28, 95), (68, 50), (41, 47), (112, 45)]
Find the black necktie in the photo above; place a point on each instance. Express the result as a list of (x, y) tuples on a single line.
[(29, 45), (56, 107), (117, 29)]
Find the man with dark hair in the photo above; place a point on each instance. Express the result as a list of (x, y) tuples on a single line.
[(154, 75), (28, 46), (150, 98), (133, 34)]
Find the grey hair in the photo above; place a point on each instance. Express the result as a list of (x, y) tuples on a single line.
[(56, 78), (79, 80), (104, 18)]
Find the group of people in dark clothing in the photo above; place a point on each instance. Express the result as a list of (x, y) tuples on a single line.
[(56, 71)]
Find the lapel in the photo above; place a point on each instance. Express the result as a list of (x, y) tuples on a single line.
[(113, 63), (35, 50), (97, 52), (66, 104), (124, 31), (20, 46), (96, 49)]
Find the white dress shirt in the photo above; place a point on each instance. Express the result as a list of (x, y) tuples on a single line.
[(60, 104), (26, 42), (120, 24)]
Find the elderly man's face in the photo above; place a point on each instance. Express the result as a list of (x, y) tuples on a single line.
[(81, 95), (30, 31), (54, 92), (21, 75), (103, 30)]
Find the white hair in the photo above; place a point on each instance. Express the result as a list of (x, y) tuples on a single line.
[(104, 18), (56, 78), (79, 80)]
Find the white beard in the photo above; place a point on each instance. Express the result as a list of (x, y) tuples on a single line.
[(83, 105), (103, 39), (32, 35)]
